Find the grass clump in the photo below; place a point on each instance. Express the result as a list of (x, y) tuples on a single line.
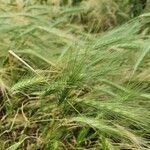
[(66, 84)]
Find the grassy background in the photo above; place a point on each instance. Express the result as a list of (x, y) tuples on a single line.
[(74, 75)]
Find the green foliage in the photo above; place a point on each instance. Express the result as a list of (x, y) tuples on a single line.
[(15, 146), (74, 76)]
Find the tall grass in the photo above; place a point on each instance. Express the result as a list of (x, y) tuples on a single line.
[(65, 87)]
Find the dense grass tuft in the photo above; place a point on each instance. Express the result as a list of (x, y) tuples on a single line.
[(74, 75)]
